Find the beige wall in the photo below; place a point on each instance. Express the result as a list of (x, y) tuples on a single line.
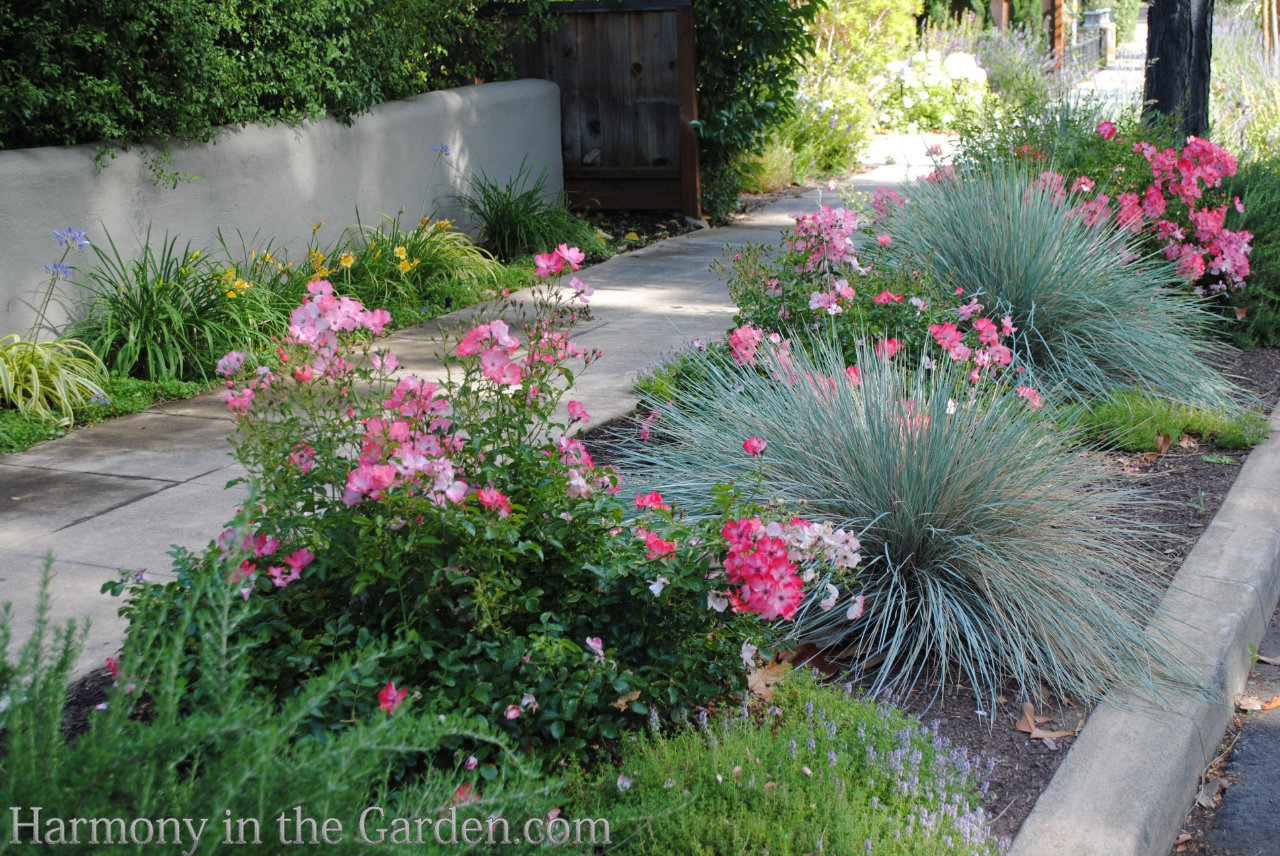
[(273, 181)]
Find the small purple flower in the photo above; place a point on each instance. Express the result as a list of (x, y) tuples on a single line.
[(71, 238), (59, 270), (442, 148)]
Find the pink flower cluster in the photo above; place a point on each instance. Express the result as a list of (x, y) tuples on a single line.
[(1200, 245), (990, 355), (316, 325), (762, 562), (238, 549), (758, 565), (548, 264), (409, 447), (825, 237)]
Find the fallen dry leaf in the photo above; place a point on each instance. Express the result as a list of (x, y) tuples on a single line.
[(1240, 312), (1029, 719), (1163, 441), (1248, 703), (1041, 734), (762, 681), (623, 701), (1183, 842), (1186, 442), (1273, 704), (1270, 661), (1208, 795)]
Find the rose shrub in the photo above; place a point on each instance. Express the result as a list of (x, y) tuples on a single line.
[(464, 545)]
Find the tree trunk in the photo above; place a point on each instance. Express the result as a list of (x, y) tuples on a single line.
[(1179, 48), (1270, 28)]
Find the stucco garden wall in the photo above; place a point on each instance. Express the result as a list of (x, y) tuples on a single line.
[(273, 181)]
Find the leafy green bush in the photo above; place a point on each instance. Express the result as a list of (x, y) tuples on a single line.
[(517, 218), (168, 314), (1134, 421), (240, 755), (994, 551), (814, 771), (750, 55), (119, 72), (1093, 314)]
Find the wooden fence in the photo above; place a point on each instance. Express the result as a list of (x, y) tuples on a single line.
[(627, 99)]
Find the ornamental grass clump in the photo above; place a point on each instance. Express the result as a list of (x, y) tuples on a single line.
[(1094, 314), (993, 553)]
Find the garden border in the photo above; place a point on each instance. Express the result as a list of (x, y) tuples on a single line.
[(1126, 785)]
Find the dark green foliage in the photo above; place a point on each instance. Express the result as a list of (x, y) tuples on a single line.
[(750, 54), (151, 754), (1258, 185), (124, 71)]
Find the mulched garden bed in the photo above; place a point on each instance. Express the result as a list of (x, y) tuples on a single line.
[(1191, 490)]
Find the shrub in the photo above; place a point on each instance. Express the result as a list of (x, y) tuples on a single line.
[(814, 770), (1094, 314), (517, 218), (431, 268), (929, 91), (96, 74), (994, 552), (148, 754), (456, 533), (750, 54)]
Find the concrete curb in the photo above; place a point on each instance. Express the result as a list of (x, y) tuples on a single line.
[(1125, 787)]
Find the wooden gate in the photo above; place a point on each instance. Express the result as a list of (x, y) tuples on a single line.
[(627, 101)]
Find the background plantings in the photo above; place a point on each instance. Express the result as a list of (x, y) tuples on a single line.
[(1093, 313), (993, 552), (520, 216), (168, 314)]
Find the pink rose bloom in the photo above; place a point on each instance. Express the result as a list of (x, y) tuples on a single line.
[(754, 446)]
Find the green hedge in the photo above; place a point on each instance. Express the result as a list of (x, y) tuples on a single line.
[(118, 72)]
